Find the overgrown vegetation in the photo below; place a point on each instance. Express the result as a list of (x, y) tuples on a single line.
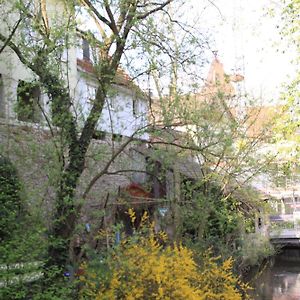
[(12, 206), (142, 268), (204, 213), (221, 223), (21, 240)]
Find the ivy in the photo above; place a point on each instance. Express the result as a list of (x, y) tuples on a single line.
[(10, 198)]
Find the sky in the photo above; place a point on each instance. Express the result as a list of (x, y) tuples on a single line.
[(248, 42)]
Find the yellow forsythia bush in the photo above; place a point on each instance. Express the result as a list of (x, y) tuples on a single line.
[(140, 268)]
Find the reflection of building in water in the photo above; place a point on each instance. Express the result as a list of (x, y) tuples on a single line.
[(280, 280), (286, 286)]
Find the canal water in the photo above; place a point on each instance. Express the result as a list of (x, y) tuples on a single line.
[(279, 279)]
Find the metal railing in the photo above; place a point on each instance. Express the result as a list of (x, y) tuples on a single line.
[(285, 226)]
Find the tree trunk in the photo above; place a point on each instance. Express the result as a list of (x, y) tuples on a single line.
[(66, 210)]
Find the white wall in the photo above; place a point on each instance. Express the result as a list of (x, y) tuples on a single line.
[(118, 115), (12, 70)]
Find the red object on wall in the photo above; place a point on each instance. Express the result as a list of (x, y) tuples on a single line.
[(136, 190)]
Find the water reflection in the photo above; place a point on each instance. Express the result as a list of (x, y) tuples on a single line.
[(281, 278)]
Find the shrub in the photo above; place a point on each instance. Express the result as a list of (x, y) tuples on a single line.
[(10, 198), (255, 248), (21, 238), (141, 268)]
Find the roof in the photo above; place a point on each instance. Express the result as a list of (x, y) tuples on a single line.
[(218, 81), (217, 89), (121, 77), (260, 118), (136, 190)]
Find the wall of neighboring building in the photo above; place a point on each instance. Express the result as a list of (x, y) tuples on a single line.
[(13, 71), (126, 108), (124, 112)]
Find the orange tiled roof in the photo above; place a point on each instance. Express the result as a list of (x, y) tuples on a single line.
[(260, 118), (121, 78)]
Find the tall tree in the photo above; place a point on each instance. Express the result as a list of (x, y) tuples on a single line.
[(287, 14), (158, 46), (39, 41)]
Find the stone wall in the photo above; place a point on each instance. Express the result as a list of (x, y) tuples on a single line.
[(32, 150)]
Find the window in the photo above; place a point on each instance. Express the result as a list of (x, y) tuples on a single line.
[(99, 135), (86, 49), (117, 137), (28, 102), (91, 93), (134, 107)]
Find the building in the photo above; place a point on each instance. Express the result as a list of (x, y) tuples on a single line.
[(25, 112), (31, 140)]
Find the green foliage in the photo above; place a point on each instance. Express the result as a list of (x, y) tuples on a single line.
[(214, 219), (289, 123), (22, 244), (221, 223), (282, 225), (27, 107), (254, 249), (11, 202)]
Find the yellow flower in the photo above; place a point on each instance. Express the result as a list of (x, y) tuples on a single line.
[(131, 214), (142, 269)]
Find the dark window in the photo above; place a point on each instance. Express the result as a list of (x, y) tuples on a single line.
[(28, 97), (117, 137), (259, 222), (99, 135), (134, 112), (86, 49), (136, 107), (157, 178)]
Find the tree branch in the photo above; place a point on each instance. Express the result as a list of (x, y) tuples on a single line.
[(108, 164), (11, 35), (121, 41), (160, 7), (16, 50), (111, 18), (89, 5), (185, 147)]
